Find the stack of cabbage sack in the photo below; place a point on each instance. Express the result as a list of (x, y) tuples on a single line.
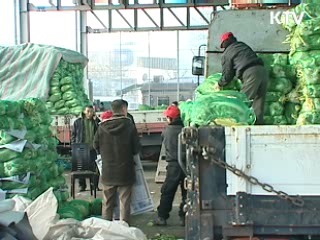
[(281, 82), (67, 94), (227, 107), (38, 155), (305, 56)]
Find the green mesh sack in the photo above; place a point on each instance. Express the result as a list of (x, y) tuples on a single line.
[(3, 108), (312, 91), (33, 193), (273, 109), (206, 88), (7, 155), (96, 207), (72, 103), (308, 118), (13, 109), (76, 110), (291, 112), (6, 138), (67, 87), (282, 85), (54, 90), (68, 211), (305, 59), (31, 135), (18, 124), (5, 123), (186, 109), (274, 97), (63, 111), (69, 95), (66, 80), (311, 105), (57, 183), (8, 185), (1, 169), (309, 76), (61, 195), (233, 94), (275, 120), (18, 166), (33, 106), (59, 104), (280, 59), (29, 153), (55, 80), (83, 206), (55, 97), (207, 110)]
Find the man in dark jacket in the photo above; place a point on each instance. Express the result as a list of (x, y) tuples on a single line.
[(117, 141), (175, 175), (84, 129), (239, 60)]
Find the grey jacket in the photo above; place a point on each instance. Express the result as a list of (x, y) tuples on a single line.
[(237, 58), (170, 140)]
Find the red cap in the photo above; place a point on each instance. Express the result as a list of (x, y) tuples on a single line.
[(106, 115), (172, 112), (225, 37)]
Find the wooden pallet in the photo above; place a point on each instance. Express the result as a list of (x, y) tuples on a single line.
[(162, 164)]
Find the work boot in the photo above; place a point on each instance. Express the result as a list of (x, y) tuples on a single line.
[(160, 222), (182, 221)]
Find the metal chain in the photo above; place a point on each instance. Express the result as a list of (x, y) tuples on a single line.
[(298, 201)]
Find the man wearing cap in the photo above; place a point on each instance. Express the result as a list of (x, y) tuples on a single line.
[(175, 176), (239, 60)]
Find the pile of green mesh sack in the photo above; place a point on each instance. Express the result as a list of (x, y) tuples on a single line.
[(305, 57), (47, 72), (226, 107), (281, 82), (67, 94), (38, 155)]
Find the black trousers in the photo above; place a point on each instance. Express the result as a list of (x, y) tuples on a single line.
[(255, 83), (174, 178), (93, 167)]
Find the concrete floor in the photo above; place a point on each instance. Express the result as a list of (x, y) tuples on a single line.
[(142, 221)]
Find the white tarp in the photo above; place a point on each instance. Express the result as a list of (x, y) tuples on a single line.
[(45, 224)]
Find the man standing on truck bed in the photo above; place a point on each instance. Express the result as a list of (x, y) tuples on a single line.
[(239, 60)]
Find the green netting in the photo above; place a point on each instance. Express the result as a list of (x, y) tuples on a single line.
[(312, 91), (273, 109), (186, 109), (77, 209), (70, 212), (275, 120), (7, 155), (309, 76), (96, 207), (308, 118), (206, 88), (18, 166), (274, 97), (311, 105), (6, 138), (208, 110), (282, 85), (291, 112)]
